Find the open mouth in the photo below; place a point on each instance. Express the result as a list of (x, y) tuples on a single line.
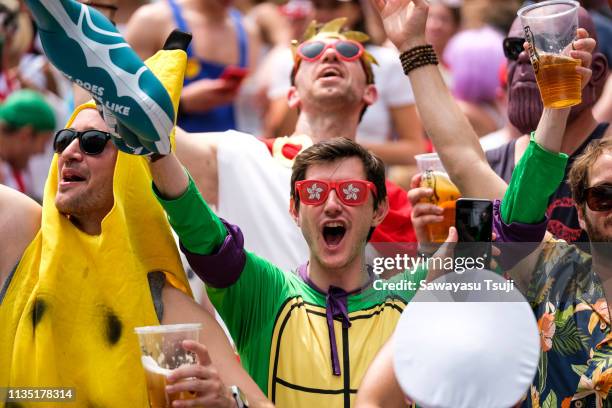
[(70, 176), (330, 73), (70, 179), (333, 233)]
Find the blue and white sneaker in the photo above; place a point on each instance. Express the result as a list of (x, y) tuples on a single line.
[(84, 45)]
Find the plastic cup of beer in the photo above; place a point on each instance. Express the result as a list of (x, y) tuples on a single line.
[(434, 176), (161, 352), (550, 27)]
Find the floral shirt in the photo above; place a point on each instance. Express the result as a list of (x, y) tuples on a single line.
[(575, 368), (567, 297)]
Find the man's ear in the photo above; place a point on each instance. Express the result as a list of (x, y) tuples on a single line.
[(294, 212), (293, 98), (370, 95), (380, 213), (599, 67), (581, 216)]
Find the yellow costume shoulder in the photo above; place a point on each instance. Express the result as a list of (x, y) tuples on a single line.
[(69, 313)]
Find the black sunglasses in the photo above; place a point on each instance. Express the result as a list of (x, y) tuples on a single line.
[(599, 198), (92, 142), (513, 46)]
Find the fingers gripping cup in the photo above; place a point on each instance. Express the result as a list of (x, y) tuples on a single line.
[(550, 28), (162, 352), (445, 193)]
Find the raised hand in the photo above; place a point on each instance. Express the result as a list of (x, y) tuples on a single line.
[(404, 21), (423, 212), (583, 50)]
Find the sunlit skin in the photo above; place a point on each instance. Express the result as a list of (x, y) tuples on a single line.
[(344, 258), (85, 185), (598, 224)]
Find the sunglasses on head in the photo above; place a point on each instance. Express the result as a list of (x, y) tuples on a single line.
[(599, 198), (513, 46), (349, 192), (347, 50), (92, 142)]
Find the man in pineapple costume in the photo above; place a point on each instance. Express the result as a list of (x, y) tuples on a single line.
[(95, 261)]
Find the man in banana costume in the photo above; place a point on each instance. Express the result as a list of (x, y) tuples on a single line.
[(98, 259)]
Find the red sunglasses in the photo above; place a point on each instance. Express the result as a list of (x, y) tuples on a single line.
[(347, 50), (349, 192), (599, 198)]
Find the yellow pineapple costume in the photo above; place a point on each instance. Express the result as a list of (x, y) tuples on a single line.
[(68, 315)]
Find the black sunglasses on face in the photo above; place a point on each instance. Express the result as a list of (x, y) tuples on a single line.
[(513, 46), (92, 142), (599, 198)]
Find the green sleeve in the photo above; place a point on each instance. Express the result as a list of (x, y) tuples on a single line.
[(535, 178), (190, 216), (247, 305), (249, 308), (414, 275)]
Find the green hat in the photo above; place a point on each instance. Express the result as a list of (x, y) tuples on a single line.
[(27, 108)]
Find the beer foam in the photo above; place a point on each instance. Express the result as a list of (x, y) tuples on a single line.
[(151, 365)]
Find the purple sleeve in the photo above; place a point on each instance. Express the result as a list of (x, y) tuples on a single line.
[(223, 268), (519, 239)]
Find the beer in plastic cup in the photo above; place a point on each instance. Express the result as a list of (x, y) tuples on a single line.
[(434, 176), (162, 352), (550, 27)]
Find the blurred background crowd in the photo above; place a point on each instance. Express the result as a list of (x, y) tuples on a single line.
[(254, 38)]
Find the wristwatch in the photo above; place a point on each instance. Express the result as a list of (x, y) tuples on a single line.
[(239, 397)]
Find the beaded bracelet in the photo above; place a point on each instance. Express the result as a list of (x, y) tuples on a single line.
[(417, 57)]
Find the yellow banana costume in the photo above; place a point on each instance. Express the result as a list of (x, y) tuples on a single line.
[(68, 315)]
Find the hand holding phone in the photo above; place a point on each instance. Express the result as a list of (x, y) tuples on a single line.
[(474, 223)]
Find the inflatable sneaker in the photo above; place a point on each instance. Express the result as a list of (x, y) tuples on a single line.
[(86, 47), (169, 66)]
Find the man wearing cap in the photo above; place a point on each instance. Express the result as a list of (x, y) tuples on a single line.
[(26, 124)]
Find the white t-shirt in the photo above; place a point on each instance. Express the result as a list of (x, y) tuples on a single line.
[(254, 194), (7, 178), (393, 87), (495, 139)]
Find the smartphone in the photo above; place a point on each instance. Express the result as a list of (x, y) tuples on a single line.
[(474, 223), (234, 73)]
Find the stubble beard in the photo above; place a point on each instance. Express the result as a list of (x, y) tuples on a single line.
[(597, 233)]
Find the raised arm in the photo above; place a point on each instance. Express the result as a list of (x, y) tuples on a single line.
[(454, 139), (541, 169), (198, 153), (141, 35)]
